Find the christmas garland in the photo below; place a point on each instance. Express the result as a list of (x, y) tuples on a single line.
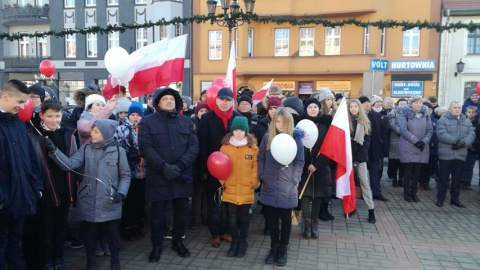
[(293, 21)]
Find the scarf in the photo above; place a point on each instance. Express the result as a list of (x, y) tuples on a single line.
[(238, 143), (377, 109), (224, 116), (359, 133)]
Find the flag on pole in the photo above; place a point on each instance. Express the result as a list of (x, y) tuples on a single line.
[(231, 75), (337, 147), (260, 94), (157, 64)]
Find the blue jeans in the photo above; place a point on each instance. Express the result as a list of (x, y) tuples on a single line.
[(11, 232), (468, 168)]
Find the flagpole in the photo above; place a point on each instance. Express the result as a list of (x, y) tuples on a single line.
[(304, 186)]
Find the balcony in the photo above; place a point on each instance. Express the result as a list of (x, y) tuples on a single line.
[(22, 64), (25, 15)]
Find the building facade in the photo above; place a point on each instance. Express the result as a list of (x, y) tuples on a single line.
[(79, 58), (347, 59)]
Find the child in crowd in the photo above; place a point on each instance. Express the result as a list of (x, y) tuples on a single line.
[(279, 188), (104, 186), (133, 209), (95, 108), (238, 195), (121, 109)]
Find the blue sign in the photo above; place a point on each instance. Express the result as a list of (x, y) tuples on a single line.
[(378, 64), (407, 88), (413, 65)]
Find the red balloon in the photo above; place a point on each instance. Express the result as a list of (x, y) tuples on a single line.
[(222, 82), (211, 96), (26, 113), (47, 68), (219, 165), (478, 88)]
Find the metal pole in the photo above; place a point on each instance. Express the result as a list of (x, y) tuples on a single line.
[(373, 80)]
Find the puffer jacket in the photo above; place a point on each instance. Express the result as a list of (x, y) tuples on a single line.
[(128, 139), (393, 123), (279, 186), (450, 129), (239, 188), (108, 164), (414, 127)]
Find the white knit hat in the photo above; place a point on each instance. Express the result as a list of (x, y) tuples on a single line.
[(375, 99), (92, 98)]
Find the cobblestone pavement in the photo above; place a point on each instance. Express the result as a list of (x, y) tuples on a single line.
[(406, 236)]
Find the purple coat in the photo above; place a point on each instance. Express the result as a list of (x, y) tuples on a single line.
[(414, 127)]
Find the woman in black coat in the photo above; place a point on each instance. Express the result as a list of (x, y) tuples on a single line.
[(319, 187)]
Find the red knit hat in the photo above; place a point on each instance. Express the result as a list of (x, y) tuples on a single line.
[(273, 102), (201, 105)]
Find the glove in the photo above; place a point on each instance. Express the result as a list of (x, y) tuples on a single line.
[(49, 146), (116, 198), (187, 179), (456, 147), (171, 171), (460, 143), (420, 145)]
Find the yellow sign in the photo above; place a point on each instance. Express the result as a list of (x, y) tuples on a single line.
[(285, 85), (335, 85)]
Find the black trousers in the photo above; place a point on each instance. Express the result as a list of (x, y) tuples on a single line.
[(217, 213), (447, 167), (109, 229), (11, 232), (238, 220), (394, 167), (274, 216), (157, 221), (53, 231), (411, 177), (374, 173), (133, 208)]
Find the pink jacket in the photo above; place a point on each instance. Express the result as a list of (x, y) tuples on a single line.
[(85, 123)]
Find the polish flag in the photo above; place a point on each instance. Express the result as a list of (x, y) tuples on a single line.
[(231, 76), (260, 94), (337, 147), (157, 64)]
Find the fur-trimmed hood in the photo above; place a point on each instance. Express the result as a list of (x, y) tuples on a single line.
[(410, 113)]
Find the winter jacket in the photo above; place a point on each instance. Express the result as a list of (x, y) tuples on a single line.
[(434, 140), (473, 149), (167, 138), (250, 117), (239, 188), (469, 102), (320, 184), (108, 164), (261, 128), (84, 124), (414, 127), (279, 182), (378, 135), (127, 135), (359, 151), (20, 181), (451, 129), (393, 123)]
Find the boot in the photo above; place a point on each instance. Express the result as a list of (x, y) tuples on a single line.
[(314, 229), (307, 231), (154, 256), (295, 218), (327, 213), (242, 248), (323, 213), (232, 252), (371, 216), (115, 263), (91, 263), (394, 182), (400, 182), (182, 251), (272, 254), (282, 255), (415, 198), (407, 197)]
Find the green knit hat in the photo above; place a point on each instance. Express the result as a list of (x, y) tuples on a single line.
[(240, 122)]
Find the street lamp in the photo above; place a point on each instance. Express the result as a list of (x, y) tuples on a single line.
[(230, 19), (460, 66)]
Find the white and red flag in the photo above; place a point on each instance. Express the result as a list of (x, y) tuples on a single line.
[(231, 75), (260, 94), (337, 147)]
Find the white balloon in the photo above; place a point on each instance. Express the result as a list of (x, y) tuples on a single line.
[(117, 61), (127, 77), (311, 132), (283, 148)]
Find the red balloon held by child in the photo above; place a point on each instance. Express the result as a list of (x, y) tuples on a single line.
[(219, 165), (211, 95), (47, 68), (26, 113)]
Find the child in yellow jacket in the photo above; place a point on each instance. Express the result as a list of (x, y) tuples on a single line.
[(238, 195)]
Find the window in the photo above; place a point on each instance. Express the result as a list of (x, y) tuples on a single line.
[(250, 42), (178, 30), (142, 38), (41, 2), (411, 42), (22, 3), (69, 3), (71, 46), (140, 1), (92, 45), (282, 37), (113, 40), (163, 32), (24, 47), (215, 45), (332, 40), (307, 42), (42, 47), (366, 40), (112, 2), (473, 42), (90, 3), (383, 35)]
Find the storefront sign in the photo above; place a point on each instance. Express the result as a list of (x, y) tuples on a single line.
[(43, 77), (305, 88), (335, 86), (285, 85), (407, 88), (413, 65), (378, 64)]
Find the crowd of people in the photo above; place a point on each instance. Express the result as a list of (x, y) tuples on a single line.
[(110, 159)]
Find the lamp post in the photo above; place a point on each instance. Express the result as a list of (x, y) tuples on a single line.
[(460, 66), (232, 18)]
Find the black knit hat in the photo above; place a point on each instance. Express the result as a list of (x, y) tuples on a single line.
[(338, 96), (245, 98), (294, 103), (364, 99), (310, 101), (37, 90)]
